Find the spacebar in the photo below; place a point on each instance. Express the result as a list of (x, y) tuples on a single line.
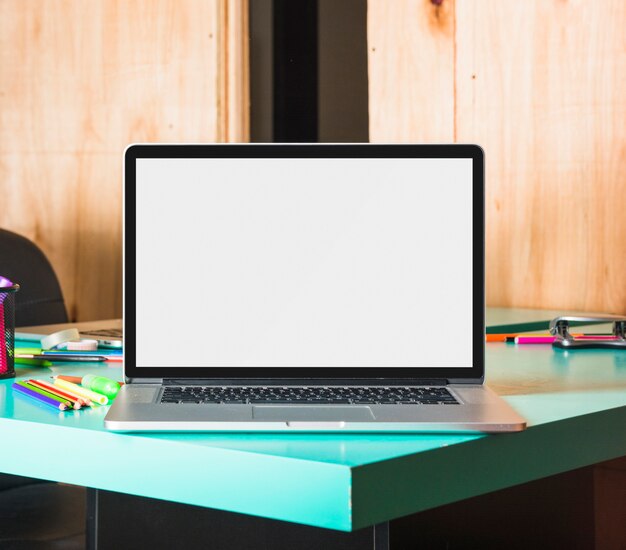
[(299, 402), (271, 401)]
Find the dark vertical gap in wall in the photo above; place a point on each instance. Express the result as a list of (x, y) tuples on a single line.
[(295, 82), (343, 84), (261, 14), (308, 71)]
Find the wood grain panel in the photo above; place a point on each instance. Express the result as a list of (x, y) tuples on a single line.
[(80, 80), (235, 73), (411, 70), (541, 85)]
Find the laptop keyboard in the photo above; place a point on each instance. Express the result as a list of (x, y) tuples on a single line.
[(257, 395)]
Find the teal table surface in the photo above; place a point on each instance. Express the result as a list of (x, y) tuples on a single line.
[(575, 403)]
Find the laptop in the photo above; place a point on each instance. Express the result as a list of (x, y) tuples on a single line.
[(305, 288)]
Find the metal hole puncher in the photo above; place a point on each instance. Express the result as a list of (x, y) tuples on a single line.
[(559, 328)]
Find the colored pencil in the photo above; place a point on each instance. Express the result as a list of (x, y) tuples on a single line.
[(82, 400), (39, 397), (100, 351), (33, 362), (86, 401), (78, 356), (510, 337), (77, 400), (63, 357), (73, 402), (498, 337), (74, 379), (67, 402), (83, 392), (22, 351)]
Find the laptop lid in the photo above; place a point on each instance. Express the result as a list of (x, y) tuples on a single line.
[(304, 262)]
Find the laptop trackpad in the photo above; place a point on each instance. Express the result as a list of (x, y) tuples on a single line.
[(313, 413)]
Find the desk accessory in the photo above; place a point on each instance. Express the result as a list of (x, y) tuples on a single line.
[(64, 395), (29, 392), (98, 384), (512, 337), (7, 327), (83, 392), (58, 339), (102, 335), (81, 345), (550, 339), (105, 355), (33, 362), (74, 401), (61, 393), (559, 328), (62, 357), (104, 352), (32, 387), (101, 384), (68, 339), (79, 379)]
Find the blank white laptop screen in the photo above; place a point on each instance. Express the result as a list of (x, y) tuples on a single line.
[(304, 262)]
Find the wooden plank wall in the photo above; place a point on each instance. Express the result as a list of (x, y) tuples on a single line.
[(541, 85), (79, 80)]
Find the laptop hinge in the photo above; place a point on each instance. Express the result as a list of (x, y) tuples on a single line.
[(306, 382)]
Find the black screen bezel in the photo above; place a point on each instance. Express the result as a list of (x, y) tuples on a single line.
[(475, 372)]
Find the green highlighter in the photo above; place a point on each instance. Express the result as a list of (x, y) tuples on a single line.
[(100, 384), (27, 351), (32, 362)]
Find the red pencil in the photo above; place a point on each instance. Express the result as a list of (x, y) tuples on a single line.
[(76, 402), (64, 393)]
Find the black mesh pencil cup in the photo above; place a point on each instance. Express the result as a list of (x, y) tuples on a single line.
[(7, 327)]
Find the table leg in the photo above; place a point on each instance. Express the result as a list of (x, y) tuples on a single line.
[(91, 528), (381, 536), (117, 521)]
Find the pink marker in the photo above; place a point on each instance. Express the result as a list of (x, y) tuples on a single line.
[(4, 352), (4, 360), (534, 339)]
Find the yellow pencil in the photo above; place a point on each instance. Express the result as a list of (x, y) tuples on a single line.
[(83, 392)]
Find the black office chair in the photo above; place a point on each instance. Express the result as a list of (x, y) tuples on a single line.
[(35, 514), (39, 300)]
